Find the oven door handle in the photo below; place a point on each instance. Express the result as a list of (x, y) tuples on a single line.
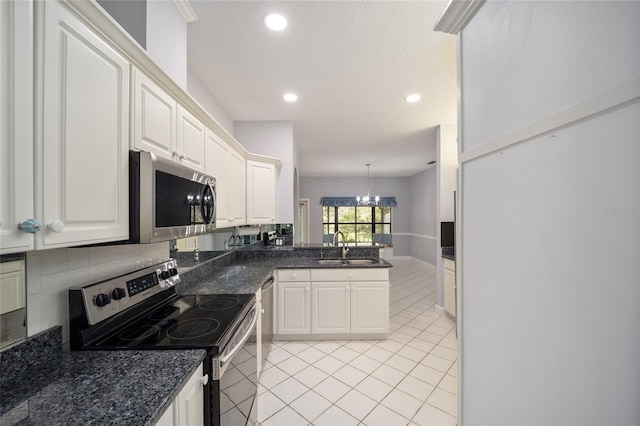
[(231, 354)]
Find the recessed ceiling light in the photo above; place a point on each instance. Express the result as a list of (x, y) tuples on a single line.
[(275, 22), (412, 98), (290, 97)]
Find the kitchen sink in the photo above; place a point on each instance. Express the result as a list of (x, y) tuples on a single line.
[(330, 262), (340, 262), (362, 262)]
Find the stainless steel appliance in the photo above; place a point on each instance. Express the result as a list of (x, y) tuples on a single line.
[(168, 200), (142, 310), (267, 319)]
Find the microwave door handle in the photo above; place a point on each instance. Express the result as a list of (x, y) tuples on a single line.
[(231, 354), (206, 218)]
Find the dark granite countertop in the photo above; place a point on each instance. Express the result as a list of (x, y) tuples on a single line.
[(247, 270), (41, 384)]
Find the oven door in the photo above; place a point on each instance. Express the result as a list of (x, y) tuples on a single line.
[(235, 383)]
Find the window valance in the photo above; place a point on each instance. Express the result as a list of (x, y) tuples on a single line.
[(352, 202)]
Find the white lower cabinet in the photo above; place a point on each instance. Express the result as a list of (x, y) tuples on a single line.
[(450, 286), (330, 307), (294, 308), (333, 302), (370, 307), (188, 407)]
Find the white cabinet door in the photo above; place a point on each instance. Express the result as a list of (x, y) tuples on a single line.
[(216, 154), (85, 138), (163, 127), (170, 416), (16, 125), (330, 307), (154, 117), (450, 292), (370, 307), (190, 143), (294, 308), (12, 295), (238, 173), (228, 167), (188, 407), (191, 401), (261, 193)]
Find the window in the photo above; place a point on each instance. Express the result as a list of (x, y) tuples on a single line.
[(358, 224)]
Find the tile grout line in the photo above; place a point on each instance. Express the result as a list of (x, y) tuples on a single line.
[(402, 314)]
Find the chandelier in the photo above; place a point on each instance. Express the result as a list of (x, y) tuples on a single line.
[(366, 200)]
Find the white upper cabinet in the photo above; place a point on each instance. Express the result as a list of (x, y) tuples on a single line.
[(238, 188), (216, 155), (82, 152), (154, 117), (228, 167), (163, 127), (16, 125), (190, 142), (261, 193)]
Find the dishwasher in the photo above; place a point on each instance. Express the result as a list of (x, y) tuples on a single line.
[(267, 319)]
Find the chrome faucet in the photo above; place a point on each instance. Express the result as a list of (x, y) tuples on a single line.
[(345, 249)]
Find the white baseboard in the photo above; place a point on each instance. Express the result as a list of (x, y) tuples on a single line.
[(400, 258), (423, 262), (440, 309), (411, 258)]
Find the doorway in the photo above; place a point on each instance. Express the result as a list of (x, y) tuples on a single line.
[(303, 221)]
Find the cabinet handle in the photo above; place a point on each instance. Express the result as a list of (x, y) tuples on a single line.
[(182, 156), (56, 226), (204, 380), (29, 226), (175, 153)]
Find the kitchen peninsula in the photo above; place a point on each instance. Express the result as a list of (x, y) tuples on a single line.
[(101, 386)]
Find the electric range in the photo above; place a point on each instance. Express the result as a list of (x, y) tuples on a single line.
[(142, 310)]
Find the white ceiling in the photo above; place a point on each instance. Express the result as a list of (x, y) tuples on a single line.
[(351, 64)]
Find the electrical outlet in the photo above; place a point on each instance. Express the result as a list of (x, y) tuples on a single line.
[(187, 244)]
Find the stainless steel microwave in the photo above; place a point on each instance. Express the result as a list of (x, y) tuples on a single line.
[(168, 200)]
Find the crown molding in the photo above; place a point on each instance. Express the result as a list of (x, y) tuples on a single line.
[(457, 15), (184, 6)]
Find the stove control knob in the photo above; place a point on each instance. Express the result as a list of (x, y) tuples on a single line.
[(118, 293), (173, 271), (165, 274), (102, 300)]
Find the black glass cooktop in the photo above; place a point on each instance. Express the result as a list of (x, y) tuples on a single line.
[(194, 321)]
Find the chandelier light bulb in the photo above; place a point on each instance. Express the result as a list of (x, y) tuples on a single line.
[(366, 200)]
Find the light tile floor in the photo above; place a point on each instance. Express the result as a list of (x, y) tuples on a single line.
[(408, 379)]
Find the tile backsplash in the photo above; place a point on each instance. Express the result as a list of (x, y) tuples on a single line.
[(50, 273)]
